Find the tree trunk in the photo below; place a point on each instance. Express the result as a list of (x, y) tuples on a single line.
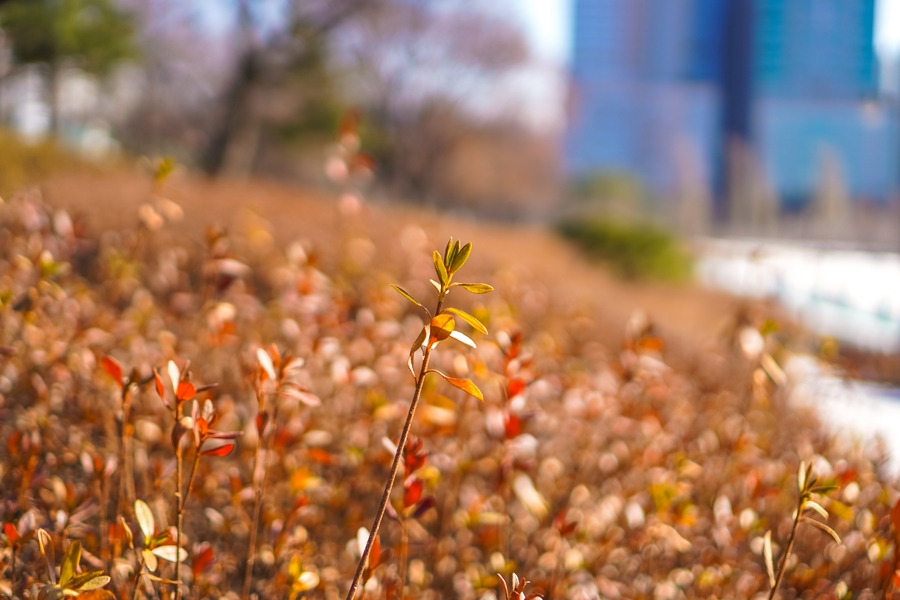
[(237, 103)]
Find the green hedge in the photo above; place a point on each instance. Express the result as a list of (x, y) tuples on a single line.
[(633, 250)]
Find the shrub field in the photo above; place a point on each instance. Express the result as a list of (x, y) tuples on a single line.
[(243, 400)]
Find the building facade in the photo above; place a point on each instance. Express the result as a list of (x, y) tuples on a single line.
[(657, 84)]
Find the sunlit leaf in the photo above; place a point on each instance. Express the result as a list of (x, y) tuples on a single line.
[(816, 507), (70, 561), (185, 391), (174, 376), (441, 327), (168, 553), (128, 534), (461, 257), (770, 563), (423, 335), (449, 251), (45, 544), (88, 581), (823, 527), (407, 295), (475, 288), (459, 336), (440, 269), (223, 450), (145, 518), (475, 323), (801, 476), (150, 560), (113, 369), (463, 384), (265, 361)]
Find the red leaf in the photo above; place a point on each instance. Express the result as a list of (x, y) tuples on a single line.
[(514, 388), (513, 426), (113, 368), (412, 493), (261, 420), (423, 507), (895, 521), (203, 559), (186, 391), (220, 451), (11, 532)]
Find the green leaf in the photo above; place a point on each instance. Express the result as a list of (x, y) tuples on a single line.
[(440, 269), (145, 519), (70, 560), (475, 323), (475, 288), (463, 384), (407, 295), (461, 257), (441, 327), (449, 251)]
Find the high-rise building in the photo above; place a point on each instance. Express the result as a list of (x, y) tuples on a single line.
[(794, 80)]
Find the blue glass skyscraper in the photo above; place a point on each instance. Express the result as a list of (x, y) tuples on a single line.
[(791, 79)]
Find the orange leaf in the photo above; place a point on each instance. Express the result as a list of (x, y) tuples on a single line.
[(220, 451), (113, 368), (186, 391), (466, 386), (159, 385), (441, 327), (320, 456)]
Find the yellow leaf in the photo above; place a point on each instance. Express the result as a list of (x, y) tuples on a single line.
[(475, 323)]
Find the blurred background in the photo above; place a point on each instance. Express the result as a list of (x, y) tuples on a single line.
[(763, 136)]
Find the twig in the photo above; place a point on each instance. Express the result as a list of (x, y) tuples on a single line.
[(395, 466)]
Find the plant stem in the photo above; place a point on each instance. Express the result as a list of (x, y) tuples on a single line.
[(782, 567), (395, 466), (126, 477), (137, 576), (403, 557), (257, 508), (12, 571), (179, 503)]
